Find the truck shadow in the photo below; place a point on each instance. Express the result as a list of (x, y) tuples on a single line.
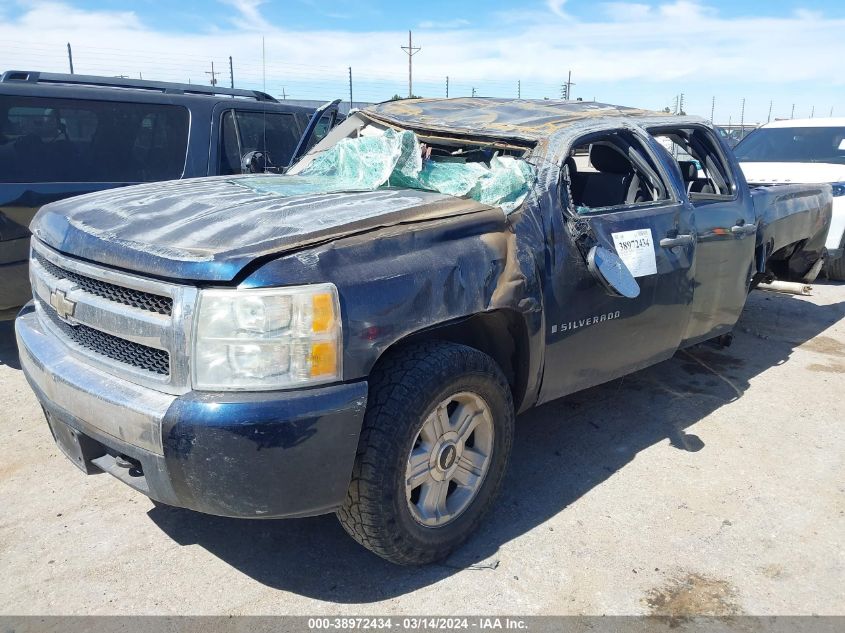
[(8, 346), (562, 450)]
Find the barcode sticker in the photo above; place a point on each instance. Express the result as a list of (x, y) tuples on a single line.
[(636, 249)]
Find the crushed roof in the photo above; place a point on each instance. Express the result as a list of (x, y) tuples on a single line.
[(527, 119)]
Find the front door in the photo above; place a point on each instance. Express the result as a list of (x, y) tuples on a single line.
[(619, 186)]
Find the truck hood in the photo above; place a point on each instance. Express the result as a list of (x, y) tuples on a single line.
[(209, 229), (804, 173)]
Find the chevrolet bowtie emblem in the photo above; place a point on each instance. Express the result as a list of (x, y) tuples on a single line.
[(64, 307)]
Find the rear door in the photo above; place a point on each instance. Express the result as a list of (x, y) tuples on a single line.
[(726, 230), (593, 337)]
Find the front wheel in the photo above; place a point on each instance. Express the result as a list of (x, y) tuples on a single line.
[(433, 450)]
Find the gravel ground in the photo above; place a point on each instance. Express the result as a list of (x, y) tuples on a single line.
[(709, 484)]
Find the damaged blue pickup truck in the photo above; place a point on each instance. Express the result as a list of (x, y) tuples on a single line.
[(357, 336)]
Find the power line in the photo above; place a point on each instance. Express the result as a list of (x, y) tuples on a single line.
[(213, 75), (569, 84), (411, 50)]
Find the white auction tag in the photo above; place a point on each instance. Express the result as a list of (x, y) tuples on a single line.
[(636, 249)]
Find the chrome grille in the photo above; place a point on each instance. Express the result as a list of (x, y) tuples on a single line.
[(118, 294), (140, 356), (130, 326)]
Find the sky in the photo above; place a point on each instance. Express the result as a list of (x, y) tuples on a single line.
[(780, 55)]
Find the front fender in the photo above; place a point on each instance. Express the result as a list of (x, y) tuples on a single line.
[(398, 281)]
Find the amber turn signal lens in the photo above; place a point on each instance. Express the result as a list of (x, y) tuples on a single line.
[(323, 359), (323, 306)]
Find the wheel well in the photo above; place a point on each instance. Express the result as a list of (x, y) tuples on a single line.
[(501, 334), (789, 262)]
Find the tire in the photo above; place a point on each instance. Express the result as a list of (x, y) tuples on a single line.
[(835, 268), (407, 389)]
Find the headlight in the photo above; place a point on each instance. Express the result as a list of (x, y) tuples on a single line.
[(270, 338)]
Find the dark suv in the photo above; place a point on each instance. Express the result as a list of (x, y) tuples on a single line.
[(64, 135)]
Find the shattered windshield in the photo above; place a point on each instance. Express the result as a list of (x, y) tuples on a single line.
[(387, 158)]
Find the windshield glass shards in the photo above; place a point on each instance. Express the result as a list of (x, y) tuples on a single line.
[(386, 158)]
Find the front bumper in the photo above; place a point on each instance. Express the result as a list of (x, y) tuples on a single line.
[(268, 454)]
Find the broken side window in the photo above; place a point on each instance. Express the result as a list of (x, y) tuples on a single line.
[(611, 171), (700, 159)]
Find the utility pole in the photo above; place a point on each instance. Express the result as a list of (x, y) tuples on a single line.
[(411, 50), (231, 74), (813, 112), (681, 105), (213, 75), (742, 120), (447, 86), (519, 89), (676, 105), (284, 94), (473, 91), (712, 108), (792, 116), (569, 85), (70, 58), (770, 112), (350, 88)]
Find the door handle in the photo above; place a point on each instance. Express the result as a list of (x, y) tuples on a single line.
[(678, 240), (744, 229)]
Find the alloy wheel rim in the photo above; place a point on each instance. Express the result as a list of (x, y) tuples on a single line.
[(449, 460)]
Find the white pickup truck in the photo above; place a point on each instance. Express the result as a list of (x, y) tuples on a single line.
[(802, 151)]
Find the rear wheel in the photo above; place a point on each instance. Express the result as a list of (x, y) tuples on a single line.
[(433, 451)]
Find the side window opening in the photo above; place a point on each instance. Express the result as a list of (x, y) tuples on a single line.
[(702, 165), (611, 171)]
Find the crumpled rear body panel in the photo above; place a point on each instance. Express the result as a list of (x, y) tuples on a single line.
[(793, 214)]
